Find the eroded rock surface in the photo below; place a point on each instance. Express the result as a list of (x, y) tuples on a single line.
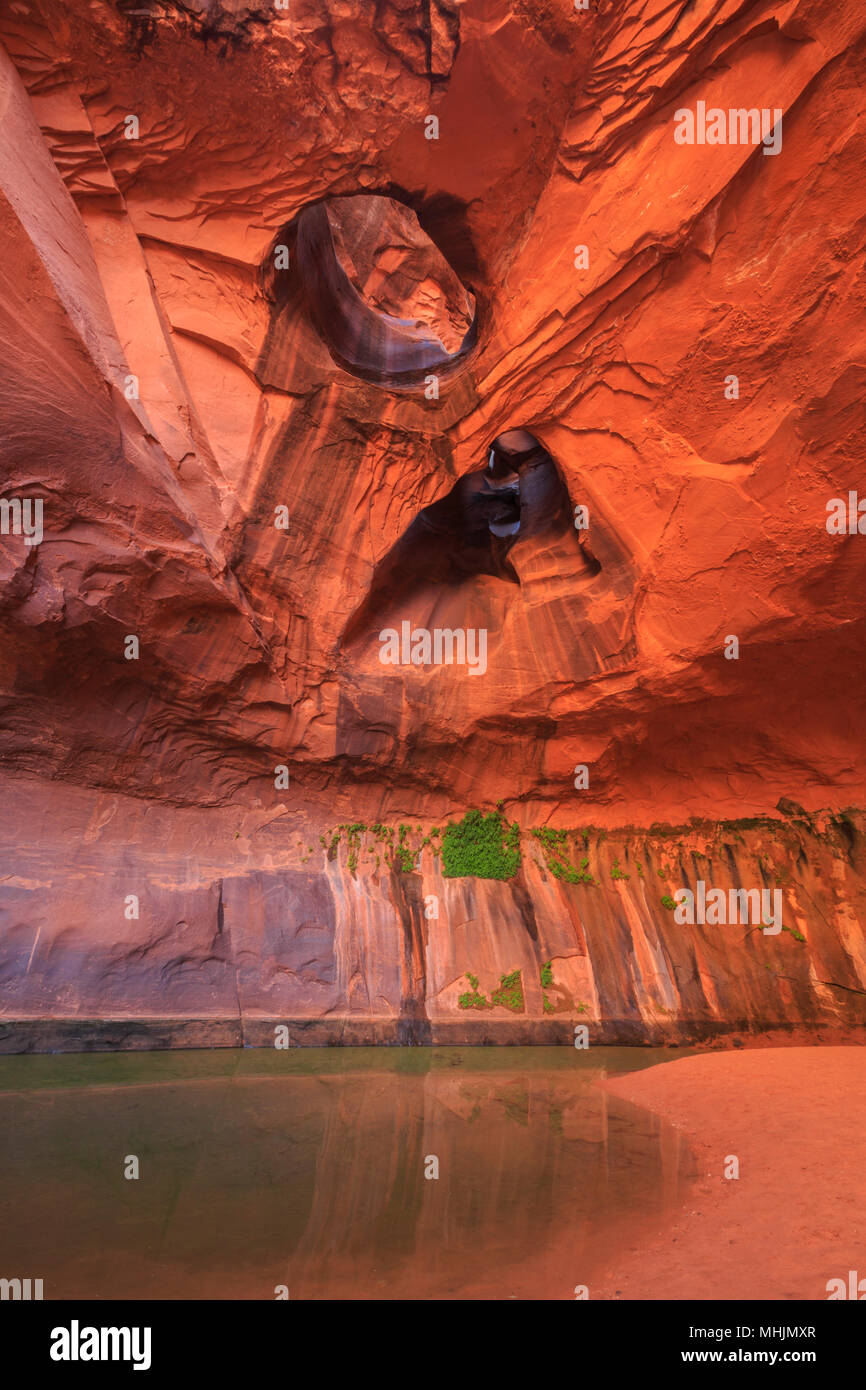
[(218, 482)]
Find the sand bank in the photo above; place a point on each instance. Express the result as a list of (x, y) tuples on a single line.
[(795, 1119)]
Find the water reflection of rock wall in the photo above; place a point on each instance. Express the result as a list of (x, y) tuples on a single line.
[(317, 1182), (523, 1159)]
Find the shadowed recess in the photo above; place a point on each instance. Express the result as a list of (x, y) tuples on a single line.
[(518, 496)]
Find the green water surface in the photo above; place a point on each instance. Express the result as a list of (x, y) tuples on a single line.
[(306, 1171)]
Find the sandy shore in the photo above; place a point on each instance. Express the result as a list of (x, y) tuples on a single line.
[(796, 1217)]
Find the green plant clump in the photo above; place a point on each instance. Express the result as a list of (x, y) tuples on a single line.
[(474, 1001), (555, 845), (797, 935), (402, 853), (354, 831), (509, 995), (668, 902), (546, 980), (482, 846), (510, 992)]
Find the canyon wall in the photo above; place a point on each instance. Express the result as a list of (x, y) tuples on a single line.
[(240, 396), (133, 925)]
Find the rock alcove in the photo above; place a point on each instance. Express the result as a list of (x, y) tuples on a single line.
[(493, 522)]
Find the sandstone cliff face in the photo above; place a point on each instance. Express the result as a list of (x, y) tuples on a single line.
[(259, 416), (244, 929)]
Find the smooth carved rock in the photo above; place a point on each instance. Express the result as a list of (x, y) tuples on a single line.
[(397, 269), (385, 300)]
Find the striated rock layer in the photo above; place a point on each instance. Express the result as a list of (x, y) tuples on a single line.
[(258, 417), (243, 927)]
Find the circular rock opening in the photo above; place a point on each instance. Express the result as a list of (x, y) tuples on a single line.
[(385, 299), (509, 453)]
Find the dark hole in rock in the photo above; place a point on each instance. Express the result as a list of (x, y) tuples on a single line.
[(504, 520), (385, 299)]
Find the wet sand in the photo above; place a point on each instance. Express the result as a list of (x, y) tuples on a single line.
[(796, 1216)]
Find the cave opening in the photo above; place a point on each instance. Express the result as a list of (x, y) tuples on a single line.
[(494, 522), (384, 297)]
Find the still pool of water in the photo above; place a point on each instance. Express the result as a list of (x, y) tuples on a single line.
[(308, 1169)]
